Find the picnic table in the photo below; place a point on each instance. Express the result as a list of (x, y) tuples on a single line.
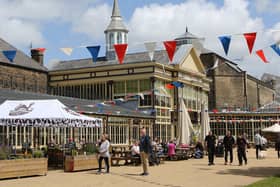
[(121, 154)]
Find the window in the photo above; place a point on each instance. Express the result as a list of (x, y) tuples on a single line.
[(145, 85), (147, 101), (119, 87), (132, 86), (111, 40), (118, 130), (119, 38)]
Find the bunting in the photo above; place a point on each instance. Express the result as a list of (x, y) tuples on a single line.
[(170, 86), (178, 84), (10, 54), (276, 49), (225, 40), (120, 50), (67, 50), (170, 47), (260, 53), (150, 47), (250, 39), (94, 51)]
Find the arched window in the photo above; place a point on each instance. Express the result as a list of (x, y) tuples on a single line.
[(119, 38), (111, 40)]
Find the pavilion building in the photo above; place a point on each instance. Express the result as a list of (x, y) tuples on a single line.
[(108, 80)]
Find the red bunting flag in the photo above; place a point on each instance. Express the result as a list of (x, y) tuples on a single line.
[(120, 50), (260, 53), (170, 86), (170, 47), (250, 38)]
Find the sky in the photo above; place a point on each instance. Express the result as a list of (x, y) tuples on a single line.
[(54, 24)]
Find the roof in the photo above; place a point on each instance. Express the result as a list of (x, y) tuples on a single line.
[(187, 35), (271, 107), (79, 105), (21, 59), (159, 56), (116, 23)]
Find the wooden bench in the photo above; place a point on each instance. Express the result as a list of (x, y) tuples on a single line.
[(162, 158), (118, 159)]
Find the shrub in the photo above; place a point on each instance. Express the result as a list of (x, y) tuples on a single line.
[(38, 154), (90, 148)]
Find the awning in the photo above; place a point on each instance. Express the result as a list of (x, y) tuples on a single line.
[(43, 113)]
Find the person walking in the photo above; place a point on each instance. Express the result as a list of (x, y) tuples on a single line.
[(145, 150), (241, 149), (277, 146), (228, 144), (104, 153), (210, 142), (258, 144)]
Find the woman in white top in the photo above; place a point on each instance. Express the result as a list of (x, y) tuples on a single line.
[(104, 153), (135, 149)]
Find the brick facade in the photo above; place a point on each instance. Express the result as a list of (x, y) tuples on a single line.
[(23, 79)]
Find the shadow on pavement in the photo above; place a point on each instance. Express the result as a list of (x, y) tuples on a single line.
[(253, 172)]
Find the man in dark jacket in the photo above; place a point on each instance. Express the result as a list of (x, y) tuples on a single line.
[(210, 142), (228, 144), (241, 149), (145, 150)]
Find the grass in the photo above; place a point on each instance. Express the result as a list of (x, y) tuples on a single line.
[(269, 182)]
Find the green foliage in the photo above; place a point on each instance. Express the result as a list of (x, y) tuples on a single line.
[(269, 182), (38, 154), (90, 148)]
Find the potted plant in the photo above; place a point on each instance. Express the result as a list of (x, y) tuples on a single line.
[(20, 165), (86, 161)]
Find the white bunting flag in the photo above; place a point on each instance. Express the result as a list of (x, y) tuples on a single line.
[(67, 50), (150, 47)]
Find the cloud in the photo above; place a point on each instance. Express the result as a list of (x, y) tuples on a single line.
[(20, 32), (267, 6), (91, 23), (23, 20)]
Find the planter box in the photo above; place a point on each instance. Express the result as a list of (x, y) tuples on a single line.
[(80, 162), (23, 167)]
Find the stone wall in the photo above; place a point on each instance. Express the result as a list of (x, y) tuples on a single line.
[(252, 94), (232, 88), (266, 95), (23, 79)]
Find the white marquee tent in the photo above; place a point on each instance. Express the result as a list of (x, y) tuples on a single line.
[(43, 113), (273, 129)]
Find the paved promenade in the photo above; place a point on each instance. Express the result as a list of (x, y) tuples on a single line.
[(191, 173)]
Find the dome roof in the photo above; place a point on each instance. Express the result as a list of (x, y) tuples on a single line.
[(187, 35)]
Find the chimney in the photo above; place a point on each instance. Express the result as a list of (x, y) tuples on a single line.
[(38, 55)]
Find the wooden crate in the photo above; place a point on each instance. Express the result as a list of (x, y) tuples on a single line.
[(23, 167), (80, 162)]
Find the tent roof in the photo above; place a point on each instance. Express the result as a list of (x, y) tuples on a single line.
[(79, 105), (274, 128), (46, 110)]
